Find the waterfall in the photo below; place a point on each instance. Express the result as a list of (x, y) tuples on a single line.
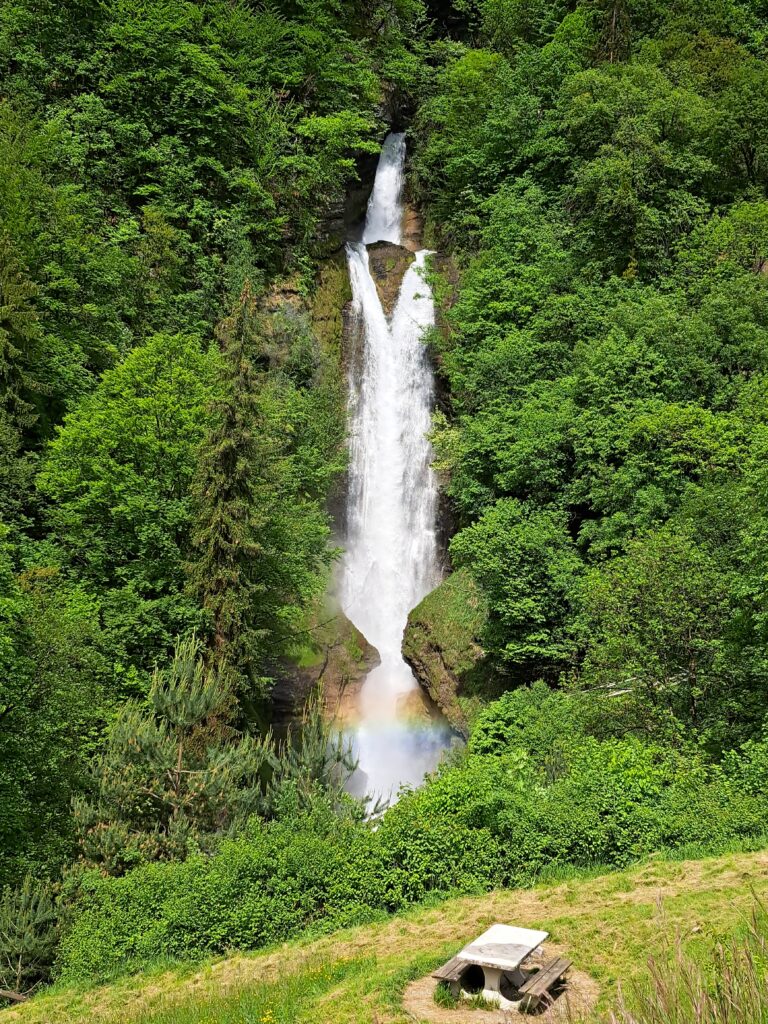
[(391, 555)]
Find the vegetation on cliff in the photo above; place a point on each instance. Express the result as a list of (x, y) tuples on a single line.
[(600, 170), (171, 428)]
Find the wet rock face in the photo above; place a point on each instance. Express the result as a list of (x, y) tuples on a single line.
[(335, 664), (412, 229), (442, 646), (388, 263), (342, 218)]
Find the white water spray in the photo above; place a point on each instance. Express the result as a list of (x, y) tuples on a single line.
[(391, 559)]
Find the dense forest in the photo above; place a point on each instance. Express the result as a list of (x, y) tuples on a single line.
[(593, 175)]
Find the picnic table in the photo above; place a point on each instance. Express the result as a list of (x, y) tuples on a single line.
[(498, 958)]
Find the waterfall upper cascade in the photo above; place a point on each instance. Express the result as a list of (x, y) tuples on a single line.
[(391, 560)]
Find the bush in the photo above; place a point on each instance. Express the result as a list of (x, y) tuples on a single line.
[(278, 879), (533, 790), (535, 718), (547, 793)]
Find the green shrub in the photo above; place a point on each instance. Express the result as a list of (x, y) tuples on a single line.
[(278, 879), (502, 819), (747, 767), (535, 718), (485, 820)]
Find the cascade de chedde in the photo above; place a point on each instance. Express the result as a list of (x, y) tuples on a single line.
[(391, 552)]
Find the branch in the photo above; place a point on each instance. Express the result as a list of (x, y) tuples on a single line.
[(304, 632), (15, 997)]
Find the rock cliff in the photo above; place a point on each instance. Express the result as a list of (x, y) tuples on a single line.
[(442, 646)]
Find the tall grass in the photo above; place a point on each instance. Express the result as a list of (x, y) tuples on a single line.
[(729, 987)]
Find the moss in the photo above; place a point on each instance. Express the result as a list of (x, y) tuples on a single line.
[(331, 294), (388, 264), (442, 645)]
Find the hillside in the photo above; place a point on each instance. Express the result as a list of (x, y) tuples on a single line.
[(607, 924), (383, 501)]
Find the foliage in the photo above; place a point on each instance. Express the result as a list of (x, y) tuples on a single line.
[(659, 618), (305, 867), (173, 775), (29, 933), (546, 782), (53, 674), (527, 567), (605, 344), (314, 756), (118, 477)]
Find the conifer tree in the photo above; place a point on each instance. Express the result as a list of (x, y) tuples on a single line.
[(616, 30), (28, 937), (19, 338), (315, 756), (233, 493), (175, 775)]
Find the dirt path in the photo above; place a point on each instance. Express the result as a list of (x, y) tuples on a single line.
[(578, 998)]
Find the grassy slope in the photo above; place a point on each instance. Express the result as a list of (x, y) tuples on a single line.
[(607, 923)]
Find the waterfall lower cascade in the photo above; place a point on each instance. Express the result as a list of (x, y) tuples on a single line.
[(391, 559)]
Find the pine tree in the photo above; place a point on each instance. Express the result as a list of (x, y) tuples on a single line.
[(315, 756), (234, 496), (175, 776), (28, 938), (616, 30)]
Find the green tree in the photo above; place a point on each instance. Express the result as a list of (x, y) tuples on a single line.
[(260, 535), (235, 493), (53, 703), (527, 566), (19, 338), (174, 774), (117, 481), (656, 621), (29, 932)]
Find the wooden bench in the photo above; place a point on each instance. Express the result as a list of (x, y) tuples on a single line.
[(539, 984), (451, 971)]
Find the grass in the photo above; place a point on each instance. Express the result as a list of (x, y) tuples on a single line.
[(608, 925), (265, 1003), (730, 986), (443, 995)]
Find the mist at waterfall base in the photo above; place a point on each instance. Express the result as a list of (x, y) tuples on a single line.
[(391, 552)]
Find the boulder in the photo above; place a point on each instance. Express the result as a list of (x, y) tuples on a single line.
[(442, 646), (388, 263)]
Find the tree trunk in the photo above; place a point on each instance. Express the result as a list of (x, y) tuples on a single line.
[(14, 997)]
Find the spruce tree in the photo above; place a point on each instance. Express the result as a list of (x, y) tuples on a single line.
[(233, 493)]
